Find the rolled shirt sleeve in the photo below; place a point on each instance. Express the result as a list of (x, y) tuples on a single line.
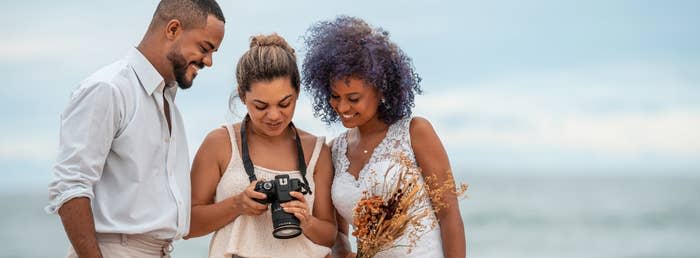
[(88, 126)]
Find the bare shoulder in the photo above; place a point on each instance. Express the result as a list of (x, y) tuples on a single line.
[(217, 135), (420, 126), (307, 139), (217, 143)]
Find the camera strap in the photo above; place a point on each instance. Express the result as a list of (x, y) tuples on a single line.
[(248, 164)]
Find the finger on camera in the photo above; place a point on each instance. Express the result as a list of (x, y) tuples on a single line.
[(298, 196), (299, 216), (295, 203), (250, 191), (294, 210), (252, 203), (255, 195)]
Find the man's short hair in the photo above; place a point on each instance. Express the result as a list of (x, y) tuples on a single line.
[(191, 13)]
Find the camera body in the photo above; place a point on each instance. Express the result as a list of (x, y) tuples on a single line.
[(277, 190), (285, 225)]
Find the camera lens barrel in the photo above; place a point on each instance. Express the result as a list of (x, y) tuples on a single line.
[(285, 225)]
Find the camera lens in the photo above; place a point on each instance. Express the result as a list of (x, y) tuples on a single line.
[(284, 224), (285, 232)]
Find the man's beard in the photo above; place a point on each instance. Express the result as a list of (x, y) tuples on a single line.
[(180, 69)]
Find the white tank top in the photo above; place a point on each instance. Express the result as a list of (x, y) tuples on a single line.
[(251, 236)]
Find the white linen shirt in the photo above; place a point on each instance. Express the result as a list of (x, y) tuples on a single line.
[(115, 149)]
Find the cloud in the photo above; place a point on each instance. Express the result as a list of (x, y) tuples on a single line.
[(611, 109), (491, 91)]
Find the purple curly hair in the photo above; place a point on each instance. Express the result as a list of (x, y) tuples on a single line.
[(348, 46)]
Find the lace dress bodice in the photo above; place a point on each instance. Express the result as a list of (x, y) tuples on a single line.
[(346, 190)]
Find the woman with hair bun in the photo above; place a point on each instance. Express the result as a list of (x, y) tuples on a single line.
[(264, 147), (358, 77)]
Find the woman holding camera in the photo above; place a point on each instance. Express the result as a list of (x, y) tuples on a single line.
[(265, 148)]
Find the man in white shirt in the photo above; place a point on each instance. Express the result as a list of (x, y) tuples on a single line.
[(122, 184)]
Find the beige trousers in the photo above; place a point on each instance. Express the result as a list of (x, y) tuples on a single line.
[(130, 246)]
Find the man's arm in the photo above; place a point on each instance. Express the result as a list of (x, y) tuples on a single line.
[(79, 224), (88, 126)]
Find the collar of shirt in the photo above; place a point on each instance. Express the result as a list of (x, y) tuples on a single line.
[(148, 76)]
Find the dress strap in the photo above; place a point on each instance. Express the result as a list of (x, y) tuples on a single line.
[(399, 136), (316, 153), (234, 143)]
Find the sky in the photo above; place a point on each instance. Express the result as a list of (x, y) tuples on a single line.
[(562, 88)]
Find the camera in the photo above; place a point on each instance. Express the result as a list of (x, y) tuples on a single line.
[(284, 224)]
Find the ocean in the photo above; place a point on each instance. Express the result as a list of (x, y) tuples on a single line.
[(504, 217)]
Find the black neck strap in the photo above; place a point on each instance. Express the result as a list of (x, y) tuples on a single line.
[(248, 164)]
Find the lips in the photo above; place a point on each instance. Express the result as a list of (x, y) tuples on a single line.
[(348, 116), (273, 125), (195, 68)]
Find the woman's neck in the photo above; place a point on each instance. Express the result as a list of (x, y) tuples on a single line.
[(373, 126)]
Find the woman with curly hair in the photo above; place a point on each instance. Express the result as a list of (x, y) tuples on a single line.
[(357, 76), (265, 146)]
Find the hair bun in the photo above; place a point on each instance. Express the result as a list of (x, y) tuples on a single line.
[(272, 40)]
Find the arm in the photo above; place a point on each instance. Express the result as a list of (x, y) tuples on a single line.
[(432, 159), (342, 248), (88, 125), (320, 226), (79, 224), (209, 164)]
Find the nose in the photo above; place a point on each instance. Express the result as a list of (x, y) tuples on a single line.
[(274, 114), (342, 106), (208, 60)]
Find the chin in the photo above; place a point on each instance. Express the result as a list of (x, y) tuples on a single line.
[(185, 86), (264, 129), (348, 124)]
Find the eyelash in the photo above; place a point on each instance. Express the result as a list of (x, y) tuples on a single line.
[(265, 107), (202, 49), (335, 97)]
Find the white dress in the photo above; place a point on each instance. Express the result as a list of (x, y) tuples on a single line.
[(251, 236), (346, 190)]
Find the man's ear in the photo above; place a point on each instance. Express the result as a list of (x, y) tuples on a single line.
[(173, 29)]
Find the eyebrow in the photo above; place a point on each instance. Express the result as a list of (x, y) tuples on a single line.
[(265, 103), (351, 94)]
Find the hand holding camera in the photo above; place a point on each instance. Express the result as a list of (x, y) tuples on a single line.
[(248, 201), (282, 190), (299, 208)]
